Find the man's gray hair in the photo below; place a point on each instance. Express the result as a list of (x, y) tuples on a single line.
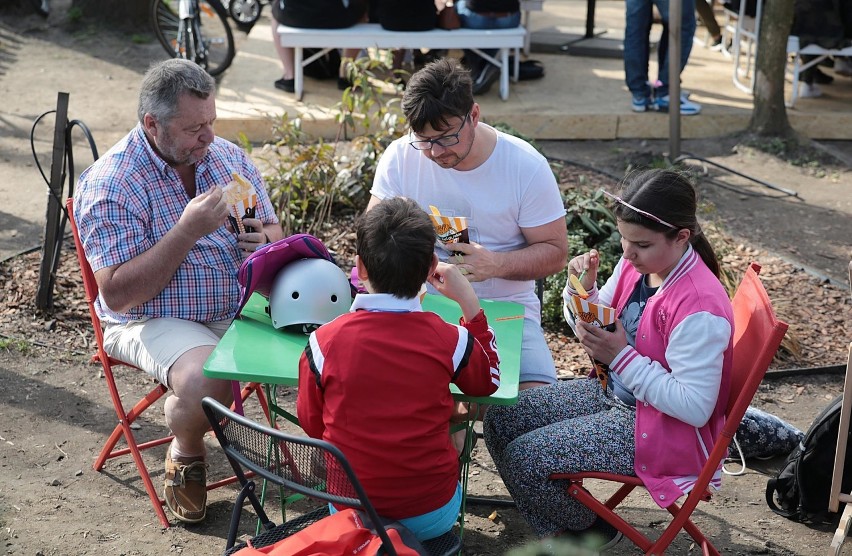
[(166, 81)]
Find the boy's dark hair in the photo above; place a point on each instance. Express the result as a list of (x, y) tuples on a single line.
[(396, 240), (670, 196), (440, 91)]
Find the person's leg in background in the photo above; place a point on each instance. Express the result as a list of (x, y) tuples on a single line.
[(343, 80), (637, 49), (287, 82), (661, 92), (708, 18), (484, 74), (843, 66), (808, 78)]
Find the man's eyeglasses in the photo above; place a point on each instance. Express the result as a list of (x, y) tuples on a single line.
[(621, 201), (443, 140)]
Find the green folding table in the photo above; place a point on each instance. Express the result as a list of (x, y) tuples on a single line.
[(252, 350)]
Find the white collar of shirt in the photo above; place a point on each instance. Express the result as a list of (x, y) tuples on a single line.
[(385, 302)]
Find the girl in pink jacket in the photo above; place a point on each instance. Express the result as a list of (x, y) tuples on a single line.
[(670, 358)]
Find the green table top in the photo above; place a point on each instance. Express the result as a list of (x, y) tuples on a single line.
[(252, 350)]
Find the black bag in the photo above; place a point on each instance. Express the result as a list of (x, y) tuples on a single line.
[(801, 489), (326, 66)]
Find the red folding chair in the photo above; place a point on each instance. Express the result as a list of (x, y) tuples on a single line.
[(757, 335), (126, 418)]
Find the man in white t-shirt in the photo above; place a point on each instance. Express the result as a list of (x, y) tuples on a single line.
[(501, 184)]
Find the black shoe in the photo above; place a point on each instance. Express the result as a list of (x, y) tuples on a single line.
[(286, 85), (600, 536), (489, 74), (822, 78)]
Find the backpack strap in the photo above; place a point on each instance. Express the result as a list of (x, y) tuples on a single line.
[(770, 501)]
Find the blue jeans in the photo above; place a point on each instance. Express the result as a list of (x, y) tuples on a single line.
[(431, 524), (637, 48), (473, 20)]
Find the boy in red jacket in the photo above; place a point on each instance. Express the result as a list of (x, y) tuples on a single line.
[(375, 382)]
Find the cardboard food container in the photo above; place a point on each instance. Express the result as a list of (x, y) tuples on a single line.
[(450, 229), (241, 198), (599, 315)]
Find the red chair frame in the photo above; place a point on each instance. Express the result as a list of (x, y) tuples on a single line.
[(757, 335), (123, 429)]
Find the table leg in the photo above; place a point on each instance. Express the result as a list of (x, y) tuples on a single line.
[(464, 465), (299, 76), (276, 411), (504, 73), (842, 530)]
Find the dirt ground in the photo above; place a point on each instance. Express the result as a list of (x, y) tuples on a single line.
[(55, 413)]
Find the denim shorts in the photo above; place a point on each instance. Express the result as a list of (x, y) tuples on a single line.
[(431, 524)]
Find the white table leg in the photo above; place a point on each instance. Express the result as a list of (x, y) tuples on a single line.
[(299, 74), (504, 73)]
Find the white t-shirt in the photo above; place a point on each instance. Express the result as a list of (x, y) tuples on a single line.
[(513, 189)]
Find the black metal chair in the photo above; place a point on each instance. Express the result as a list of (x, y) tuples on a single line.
[(302, 465)]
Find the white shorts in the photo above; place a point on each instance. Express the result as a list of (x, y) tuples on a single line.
[(536, 358), (154, 345)]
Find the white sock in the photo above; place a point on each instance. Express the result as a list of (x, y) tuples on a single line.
[(175, 453)]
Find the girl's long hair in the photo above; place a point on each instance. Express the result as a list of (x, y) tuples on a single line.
[(669, 196)]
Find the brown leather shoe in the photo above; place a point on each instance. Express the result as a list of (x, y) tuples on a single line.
[(185, 490)]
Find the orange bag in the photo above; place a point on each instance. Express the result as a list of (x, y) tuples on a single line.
[(341, 533)]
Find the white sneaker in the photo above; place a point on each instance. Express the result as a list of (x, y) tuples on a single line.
[(809, 91), (843, 66)]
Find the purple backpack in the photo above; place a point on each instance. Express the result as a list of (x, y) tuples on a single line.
[(258, 271)]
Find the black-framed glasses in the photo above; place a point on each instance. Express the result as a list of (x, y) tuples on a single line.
[(646, 214), (443, 140)]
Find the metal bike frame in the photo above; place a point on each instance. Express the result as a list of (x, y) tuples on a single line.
[(189, 32)]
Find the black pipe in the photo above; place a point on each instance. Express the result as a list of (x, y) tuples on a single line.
[(827, 369), (483, 501)]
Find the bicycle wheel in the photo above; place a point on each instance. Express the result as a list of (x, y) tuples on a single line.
[(245, 12), (207, 40)]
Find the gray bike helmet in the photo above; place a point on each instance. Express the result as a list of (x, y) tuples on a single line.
[(308, 293)]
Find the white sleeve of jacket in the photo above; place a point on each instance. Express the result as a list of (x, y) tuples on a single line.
[(695, 355)]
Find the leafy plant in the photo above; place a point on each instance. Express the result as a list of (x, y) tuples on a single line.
[(11, 344), (75, 14), (308, 177), (509, 130), (590, 225)]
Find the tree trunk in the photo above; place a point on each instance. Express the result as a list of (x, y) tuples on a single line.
[(126, 14), (769, 117)]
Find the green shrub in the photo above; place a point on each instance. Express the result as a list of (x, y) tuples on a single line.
[(308, 177), (591, 225)]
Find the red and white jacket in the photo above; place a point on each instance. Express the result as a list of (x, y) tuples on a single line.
[(375, 383)]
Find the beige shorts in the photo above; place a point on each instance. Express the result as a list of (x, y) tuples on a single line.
[(154, 345)]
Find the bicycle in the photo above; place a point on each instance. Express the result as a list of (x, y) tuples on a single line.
[(245, 13), (196, 30)]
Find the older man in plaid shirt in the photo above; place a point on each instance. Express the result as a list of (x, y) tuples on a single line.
[(151, 215)]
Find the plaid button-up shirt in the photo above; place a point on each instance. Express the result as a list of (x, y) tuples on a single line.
[(130, 198)]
